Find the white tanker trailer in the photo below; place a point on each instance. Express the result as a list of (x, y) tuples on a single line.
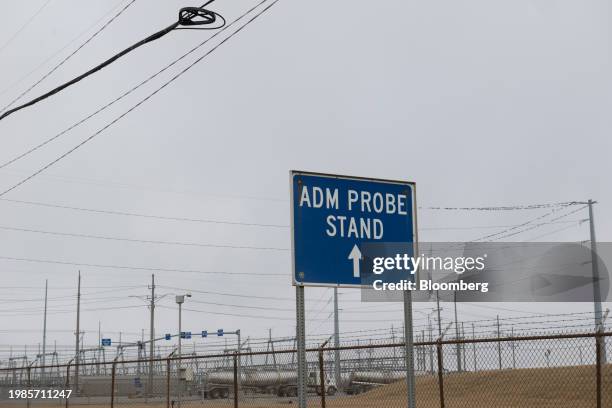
[(220, 384), (362, 381)]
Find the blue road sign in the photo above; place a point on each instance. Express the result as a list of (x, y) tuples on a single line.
[(168, 336), (220, 332), (185, 335), (335, 217), (106, 342), (204, 333)]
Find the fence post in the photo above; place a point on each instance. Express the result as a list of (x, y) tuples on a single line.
[(473, 337), (29, 385), (168, 383), (598, 366), (236, 390), (113, 371), (68, 379), (499, 348), (440, 373), (322, 378)]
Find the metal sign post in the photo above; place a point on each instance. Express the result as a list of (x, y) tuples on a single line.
[(409, 347), (301, 345)]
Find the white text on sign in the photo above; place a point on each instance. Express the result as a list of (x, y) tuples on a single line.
[(363, 201)]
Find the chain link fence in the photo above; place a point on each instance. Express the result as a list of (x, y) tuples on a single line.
[(566, 370)]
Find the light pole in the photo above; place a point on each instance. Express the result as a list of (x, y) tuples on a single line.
[(180, 299)]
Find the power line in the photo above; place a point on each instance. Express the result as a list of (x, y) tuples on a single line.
[(226, 222), (208, 292), (500, 234), (248, 316), (140, 268), (278, 309), (142, 241), (476, 227), (246, 296), (65, 288), (24, 26), (59, 51), (110, 299), (84, 310), (174, 78), (573, 225), (67, 297), (187, 17), (62, 62), (129, 91), (130, 186), (506, 208), (536, 226), (142, 215)]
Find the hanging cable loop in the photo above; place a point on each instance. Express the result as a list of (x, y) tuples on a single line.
[(188, 17), (192, 16)]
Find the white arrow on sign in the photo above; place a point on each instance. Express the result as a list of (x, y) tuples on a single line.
[(355, 255)]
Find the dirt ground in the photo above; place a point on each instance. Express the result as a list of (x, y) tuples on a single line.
[(543, 388)]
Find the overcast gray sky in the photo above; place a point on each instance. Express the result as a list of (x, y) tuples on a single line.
[(480, 102)]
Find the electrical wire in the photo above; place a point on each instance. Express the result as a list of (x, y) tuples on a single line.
[(143, 241), (141, 215), (67, 297), (573, 225), (97, 309), (59, 51), (536, 226), (24, 26), (118, 118), (246, 316), (186, 17), (142, 268), (225, 222), (506, 208), (63, 61), (129, 91), (504, 231), (209, 292)]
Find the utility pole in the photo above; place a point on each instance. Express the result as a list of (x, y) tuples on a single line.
[(337, 340), (596, 288), (458, 346), (151, 300), (152, 336), (44, 342), (78, 336)]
